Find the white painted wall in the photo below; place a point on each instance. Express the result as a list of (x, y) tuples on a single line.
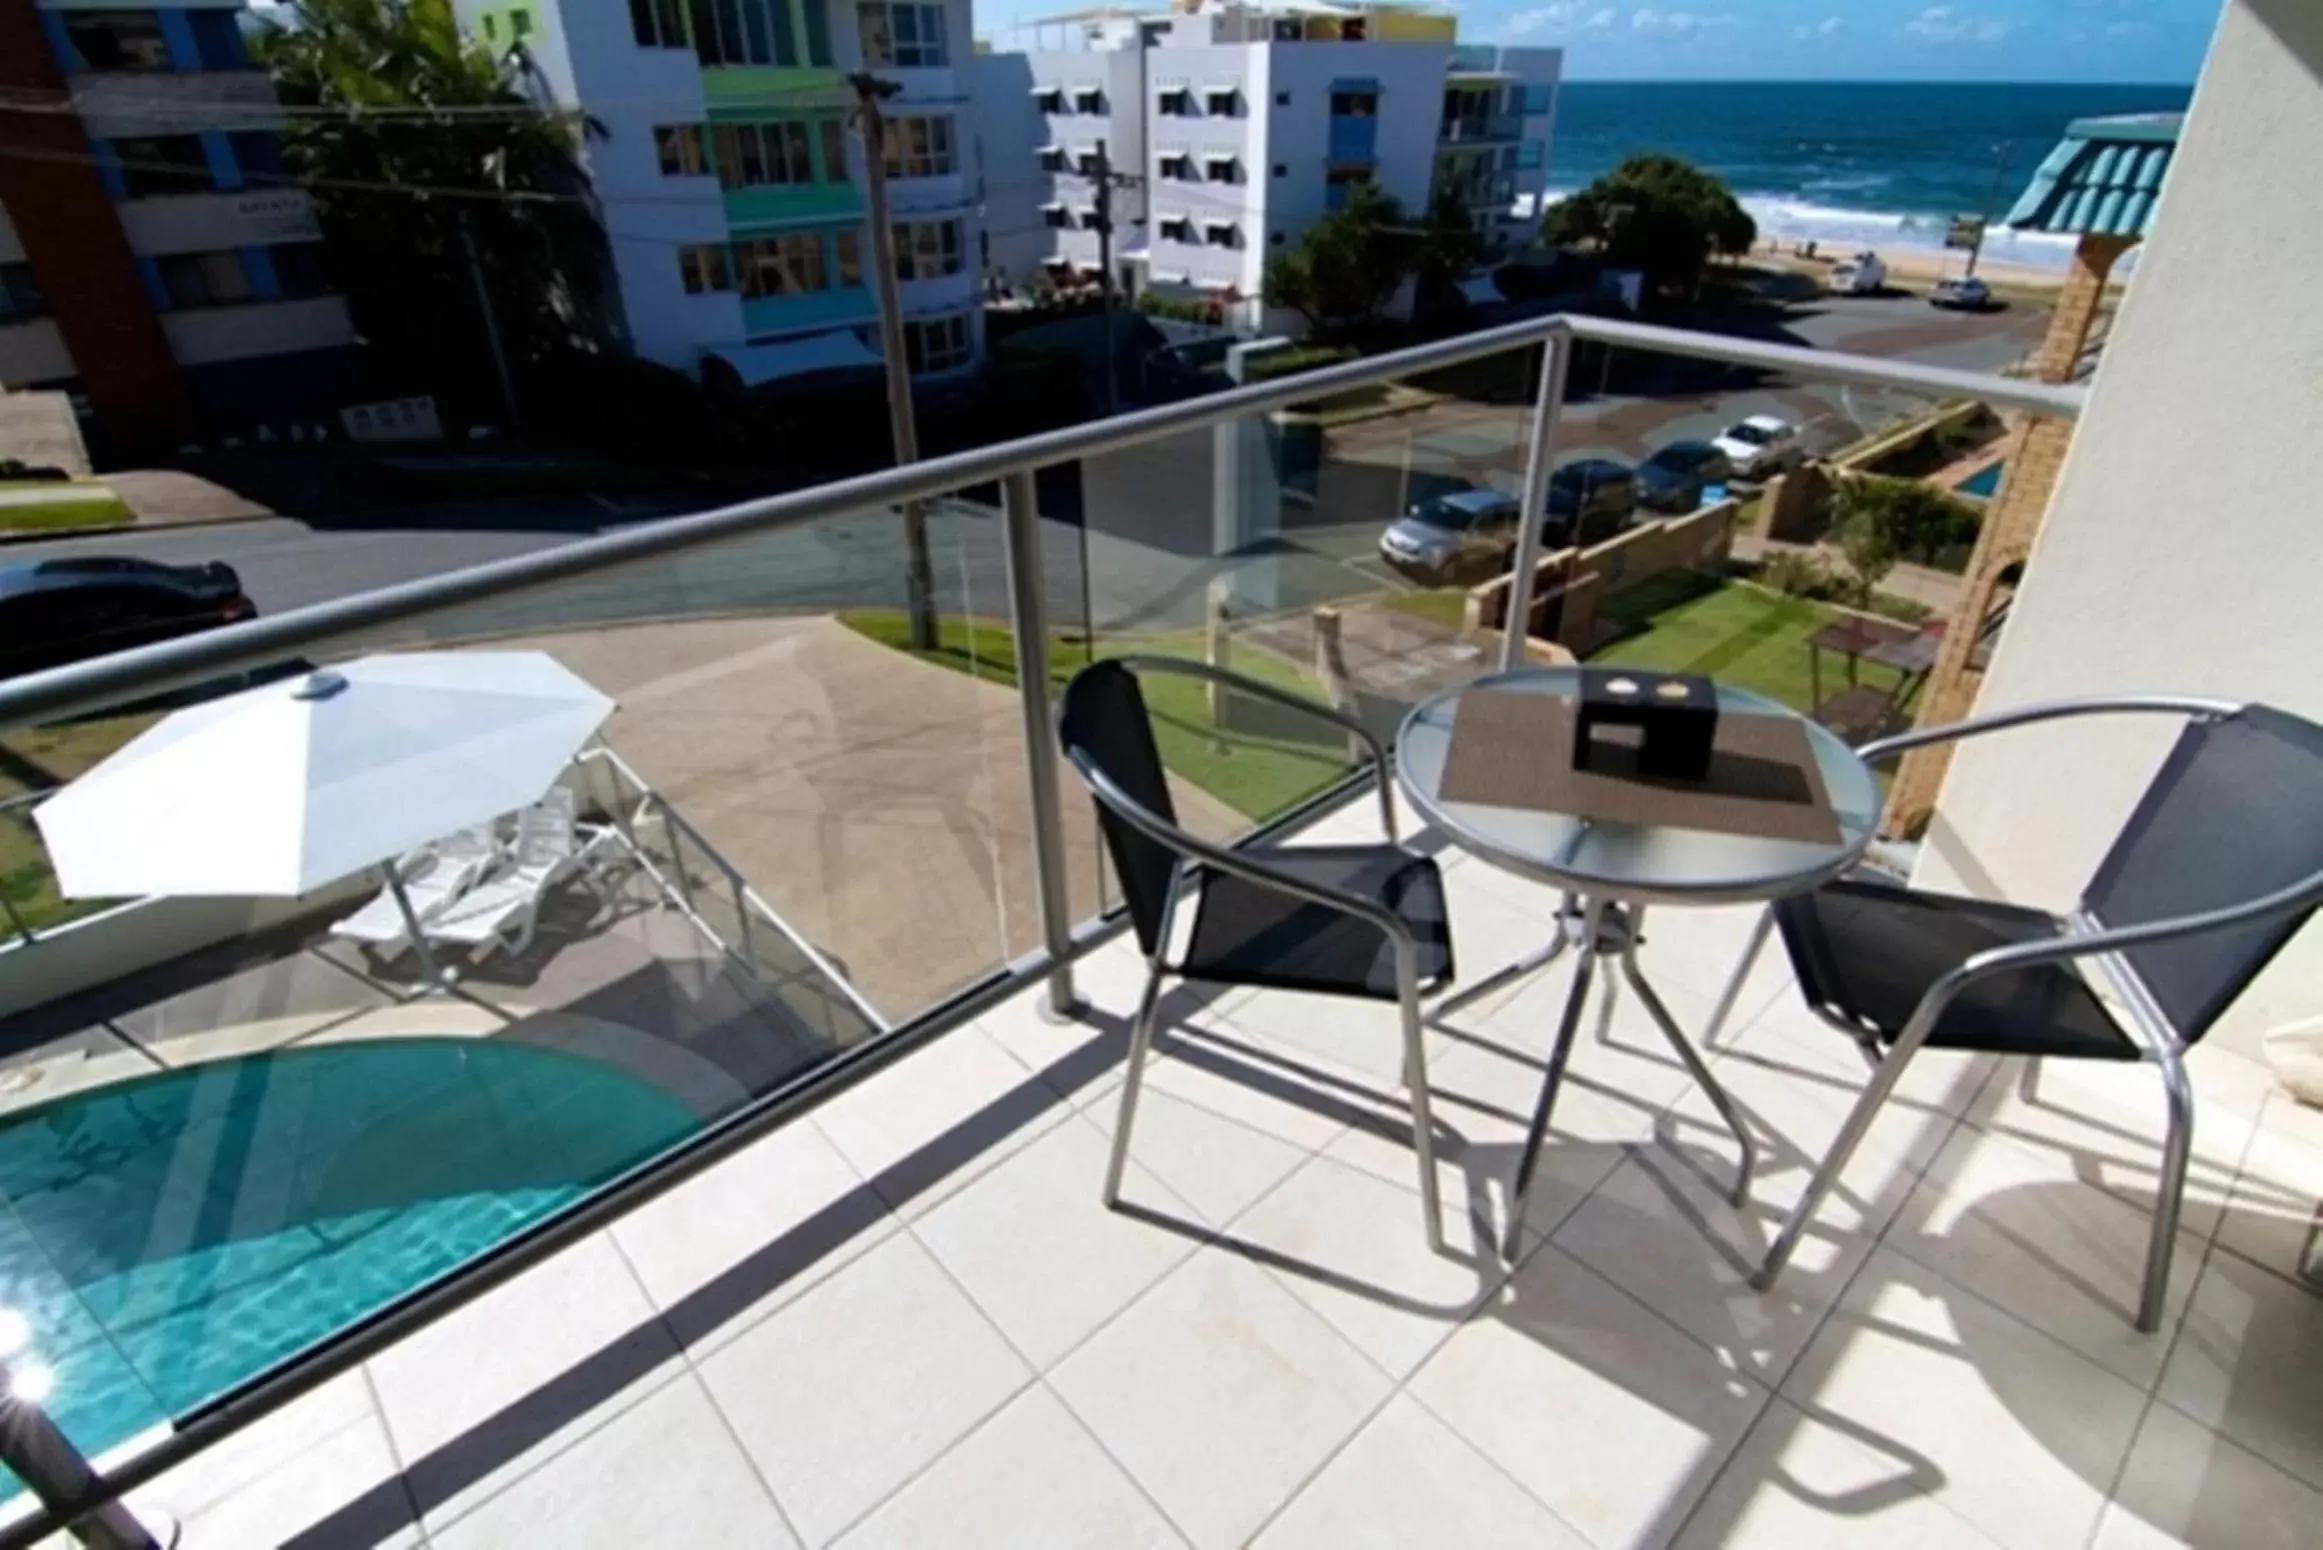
[(211, 334), (33, 352), (1008, 135), (2184, 547), (118, 103)]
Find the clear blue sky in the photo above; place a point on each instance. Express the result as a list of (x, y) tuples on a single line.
[(1879, 40)]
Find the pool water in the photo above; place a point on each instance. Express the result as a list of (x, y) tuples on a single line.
[(1984, 483), (169, 1238)]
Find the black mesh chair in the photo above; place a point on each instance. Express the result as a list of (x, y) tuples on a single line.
[(2218, 865), (1338, 920)]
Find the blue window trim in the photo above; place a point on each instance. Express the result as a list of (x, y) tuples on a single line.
[(60, 43), (185, 52), (218, 151), (108, 164), (149, 270), (258, 269)]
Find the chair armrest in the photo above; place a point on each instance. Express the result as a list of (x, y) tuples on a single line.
[(2028, 955), (1243, 865), (1140, 662), (2046, 710)]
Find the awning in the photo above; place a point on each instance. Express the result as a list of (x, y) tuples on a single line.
[(1369, 83), (758, 363)]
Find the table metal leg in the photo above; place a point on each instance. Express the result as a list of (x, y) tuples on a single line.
[(1531, 963), (1700, 1070), (1576, 1002)]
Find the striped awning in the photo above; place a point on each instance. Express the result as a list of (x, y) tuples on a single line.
[(2103, 179)]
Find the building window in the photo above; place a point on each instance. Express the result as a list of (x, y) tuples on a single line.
[(163, 164), (117, 40), (1221, 234), (1092, 164), (519, 24), (903, 34), (1177, 102), (655, 24), (926, 250), (1538, 98), (1179, 167), (1049, 99), (1177, 228), (1222, 101), (788, 265), (1052, 158), (1056, 218), (298, 270), (1339, 185), (937, 344), (785, 154), (847, 246), (702, 267), (491, 28), (743, 32), (258, 152), (1277, 238), (1354, 104), (1282, 99), (1222, 169), (920, 148), (214, 279), (218, 40), (681, 150), (20, 296), (1281, 171), (1089, 99)]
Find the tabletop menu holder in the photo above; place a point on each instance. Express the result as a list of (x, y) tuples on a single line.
[(1515, 749)]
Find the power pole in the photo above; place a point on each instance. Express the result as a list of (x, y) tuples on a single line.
[(919, 570), (1105, 274)]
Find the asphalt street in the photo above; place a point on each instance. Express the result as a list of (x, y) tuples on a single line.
[(1145, 521)]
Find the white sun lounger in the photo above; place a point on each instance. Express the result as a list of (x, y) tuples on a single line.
[(433, 876), (503, 909)]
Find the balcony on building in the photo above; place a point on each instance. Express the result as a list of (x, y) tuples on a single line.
[(743, 1180)]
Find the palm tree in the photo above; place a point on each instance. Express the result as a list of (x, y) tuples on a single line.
[(421, 146)]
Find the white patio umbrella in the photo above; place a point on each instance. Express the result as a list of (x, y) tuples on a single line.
[(280, 789)]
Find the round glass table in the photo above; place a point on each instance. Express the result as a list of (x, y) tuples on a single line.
[(1610, 873)]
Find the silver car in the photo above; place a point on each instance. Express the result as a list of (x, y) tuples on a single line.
[(1440, 537)]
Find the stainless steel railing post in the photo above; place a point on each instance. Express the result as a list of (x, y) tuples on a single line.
[(1532, 513), (1028, 621), (44, 1458)]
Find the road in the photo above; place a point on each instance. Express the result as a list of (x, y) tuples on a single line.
[(1147, 534)]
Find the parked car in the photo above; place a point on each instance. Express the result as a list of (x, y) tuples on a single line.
[(1863, 275), (1595, 493), (1760, 445), (57, 611), (1963, 291), (1675, 477), (1445, 534)]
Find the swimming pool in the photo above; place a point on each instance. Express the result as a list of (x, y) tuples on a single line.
[(1984, 483), (169, 1238)]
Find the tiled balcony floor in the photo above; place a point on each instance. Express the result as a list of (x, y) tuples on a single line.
[(908, 1321)]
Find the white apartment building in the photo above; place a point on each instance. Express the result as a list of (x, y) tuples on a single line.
[(1232, 128), (731, 183)]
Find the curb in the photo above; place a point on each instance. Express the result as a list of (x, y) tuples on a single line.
[(43, 535)]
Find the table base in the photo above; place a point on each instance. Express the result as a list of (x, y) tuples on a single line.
[(1601, 928)]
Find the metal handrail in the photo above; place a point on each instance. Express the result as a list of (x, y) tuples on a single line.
[(86, 688), (92, 687)]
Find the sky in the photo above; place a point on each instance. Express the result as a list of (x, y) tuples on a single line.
[(1881, 40), (1968, 40)]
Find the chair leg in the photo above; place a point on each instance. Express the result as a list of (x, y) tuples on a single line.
[(1827, 1173), (1132, 1078), (1423, 1117), (1725, 1008), (2028, 1080), (2169, 1194)]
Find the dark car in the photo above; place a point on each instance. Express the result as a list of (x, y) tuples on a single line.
[(1674, 478), (1596, 491), (57, 611)]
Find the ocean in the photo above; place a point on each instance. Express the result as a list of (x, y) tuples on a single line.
[(1846, 163)]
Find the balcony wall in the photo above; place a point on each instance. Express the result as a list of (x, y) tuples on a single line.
[(113, 105), (194, 223), (33, 352), (216, 334)]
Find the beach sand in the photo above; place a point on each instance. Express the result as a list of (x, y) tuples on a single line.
[(1913, 269)]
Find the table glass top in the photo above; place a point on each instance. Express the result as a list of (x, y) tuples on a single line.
[(1626, 861)]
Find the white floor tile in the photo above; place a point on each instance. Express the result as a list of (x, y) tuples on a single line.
[(2186, 1485), (1798, 1483), (1035, 1246), (729, 1246), (2020, 1434), (321, 1470), (1220, 1393), (860, 1384), (1666, 1232), (666, 1465), (2022, 1229), (930, 1123), (1218, 1166), (1408, 1480), (2278, 1198), (2244, 1364), (1030, 1478), (1611, 1417), (480, 1397), (1354, 1248), (1296, 1097)]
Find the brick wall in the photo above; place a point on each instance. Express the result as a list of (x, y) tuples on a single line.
[(78, 253), (1697, 539)]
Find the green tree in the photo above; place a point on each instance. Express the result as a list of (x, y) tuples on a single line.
[(1446, 248), (1880, 522), (420, 145), (1656, 213), (1347, 265)]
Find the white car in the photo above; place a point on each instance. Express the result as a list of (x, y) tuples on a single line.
[(1760, 445), (1863, 275)]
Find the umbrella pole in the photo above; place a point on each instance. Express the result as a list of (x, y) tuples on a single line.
[(419, 943)]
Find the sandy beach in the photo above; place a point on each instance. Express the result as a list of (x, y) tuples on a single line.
[(1913, 269)]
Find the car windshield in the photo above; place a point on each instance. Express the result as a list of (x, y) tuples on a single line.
[(1679, 459), (1757, 436), (1444, 516)]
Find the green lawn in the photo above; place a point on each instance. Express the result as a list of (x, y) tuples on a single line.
[(1445, 605), (33, 761), (1684, 621), (69, 505), (1261, 764)]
